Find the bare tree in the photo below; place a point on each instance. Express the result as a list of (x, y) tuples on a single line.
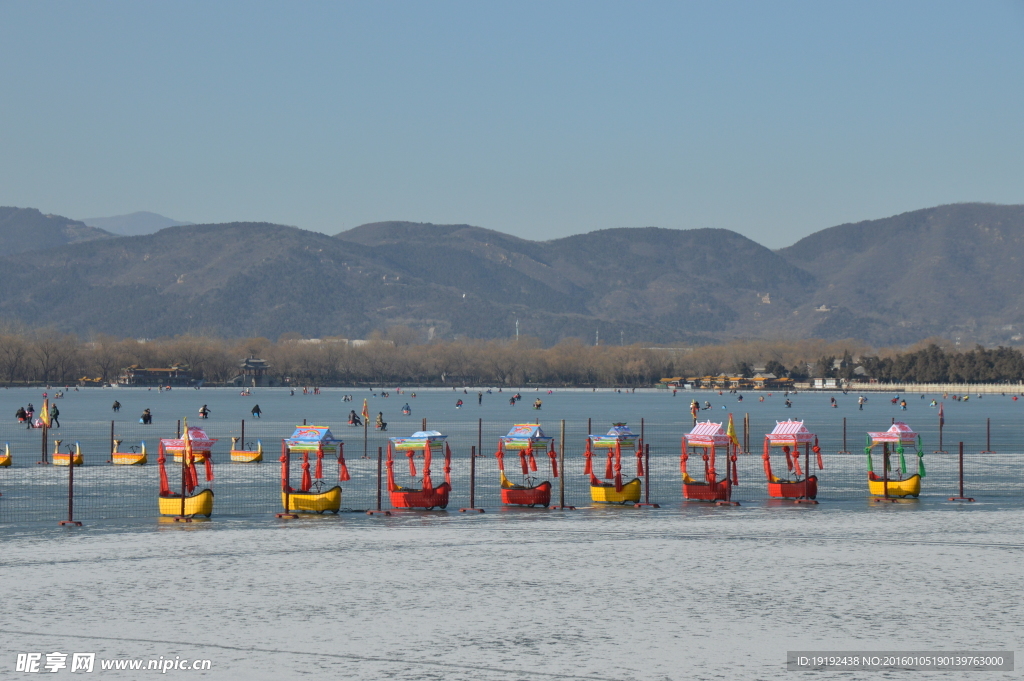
[(13, 355)]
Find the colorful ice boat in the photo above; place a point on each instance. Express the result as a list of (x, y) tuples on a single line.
[(201, 445), (313, 495), (525, 439), (186, 502), (67, 458), (790, 436), (6, 458), (244, 455), (707, 439), (428, 444), (894, 441), (613, 490), (132, 458)]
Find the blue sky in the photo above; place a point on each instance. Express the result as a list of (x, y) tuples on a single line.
[(773, 119)]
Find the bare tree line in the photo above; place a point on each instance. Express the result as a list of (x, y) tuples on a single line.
[(391, 358)]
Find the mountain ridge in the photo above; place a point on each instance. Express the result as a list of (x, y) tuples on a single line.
[(950, 270)]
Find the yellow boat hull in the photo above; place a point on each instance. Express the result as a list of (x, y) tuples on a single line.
[(911, 487), (240, 456), (200, 457), (5, 461), (129, 458), (313, 502), (65, 459), (200, 503), (603, 494)]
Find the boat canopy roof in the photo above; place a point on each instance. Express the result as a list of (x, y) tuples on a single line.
[(790, 433), (201, 442), (619, 435), (707, 434), (898, 432), (312, 438), (524, 435), (418, 440)]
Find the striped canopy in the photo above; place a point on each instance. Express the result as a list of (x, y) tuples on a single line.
[(898, 432), (706, 434), (790, 433)]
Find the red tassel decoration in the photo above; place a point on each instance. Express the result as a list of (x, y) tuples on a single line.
[(553, 455), (427, 482), (165, 487), (307, 482), (343, 475), (588, 456), (412, 464), (447, 464), (500, 456)]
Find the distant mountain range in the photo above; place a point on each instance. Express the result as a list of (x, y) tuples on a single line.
[(26, 229), (134, 224), (952, 270)]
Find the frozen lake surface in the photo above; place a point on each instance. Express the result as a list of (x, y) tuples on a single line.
[(604, 594), (682, 592)]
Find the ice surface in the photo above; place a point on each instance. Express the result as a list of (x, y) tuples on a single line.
[(647, 595)]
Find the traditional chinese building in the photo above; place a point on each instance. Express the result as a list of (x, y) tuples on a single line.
[(254, 371), (174, 375)]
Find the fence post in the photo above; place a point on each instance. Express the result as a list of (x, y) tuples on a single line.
[(747, 433), (243, 433), (647, 480), (45, 443), (561, 466), (472, 483), (178, 430), (844, 451), (380, 459), (286, 484), (961, 497), (71, 492), (988, 440)]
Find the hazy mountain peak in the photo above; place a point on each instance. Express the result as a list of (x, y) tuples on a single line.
[(134, 224)]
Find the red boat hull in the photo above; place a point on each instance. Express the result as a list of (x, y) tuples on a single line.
[(793, 490), (418, 498), (527, 496), (703, 491)]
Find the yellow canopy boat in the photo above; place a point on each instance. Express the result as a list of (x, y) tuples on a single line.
[(5, 458), (311, 497), (65, 458), (200, 503), (195, 502), (898, 435), (246, 456), (616, 491), (128, 458), (313, 502)]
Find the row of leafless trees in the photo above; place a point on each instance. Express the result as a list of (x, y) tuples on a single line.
[(389, 359)]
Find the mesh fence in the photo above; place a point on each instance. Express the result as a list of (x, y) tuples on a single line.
[(992, 465)]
